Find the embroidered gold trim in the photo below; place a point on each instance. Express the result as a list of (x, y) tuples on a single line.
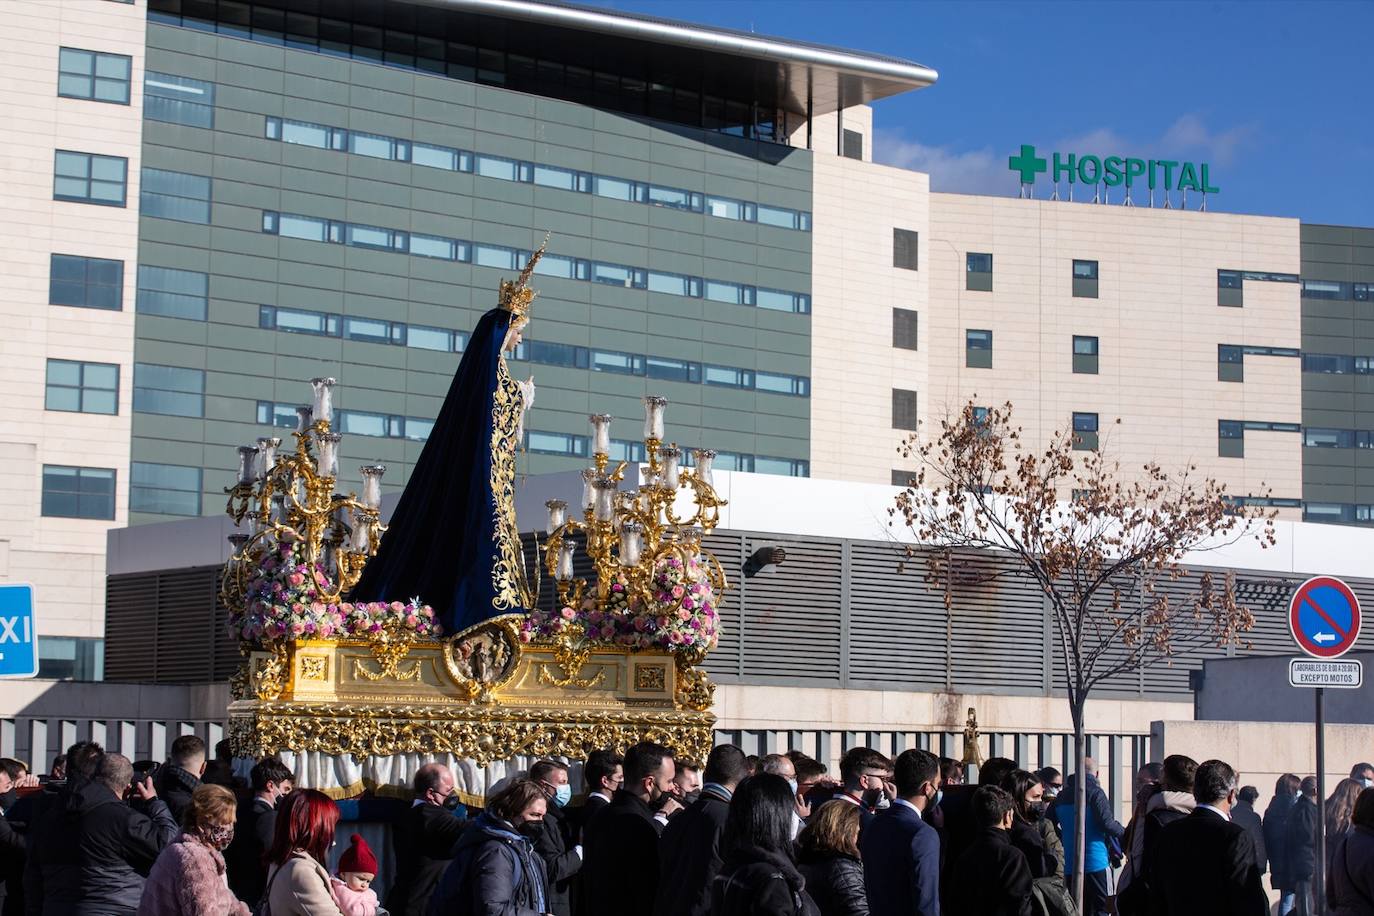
[(512, 592)]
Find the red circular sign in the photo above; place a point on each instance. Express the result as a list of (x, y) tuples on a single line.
[(1324, 617)]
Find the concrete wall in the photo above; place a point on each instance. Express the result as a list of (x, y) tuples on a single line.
[(1257, 690), (62, 557), (1263, 751)]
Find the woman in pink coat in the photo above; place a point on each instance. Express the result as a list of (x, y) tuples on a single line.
[(188, 877)]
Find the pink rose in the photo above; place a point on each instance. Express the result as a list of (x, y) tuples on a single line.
[(567, 613), (398, 607)]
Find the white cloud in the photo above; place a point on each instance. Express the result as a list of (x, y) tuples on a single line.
[(984, 171), (980, 171)]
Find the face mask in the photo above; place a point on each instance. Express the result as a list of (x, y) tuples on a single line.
[(1368, 783), (871, 797), (220, 837), (562, 795), (451, 801), (1036, 810), (1051, 791), (939, 797), (792, 784)]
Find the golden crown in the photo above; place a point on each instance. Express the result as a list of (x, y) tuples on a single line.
[(516, 297)]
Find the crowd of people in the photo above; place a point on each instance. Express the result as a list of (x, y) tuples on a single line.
[(655, 836)]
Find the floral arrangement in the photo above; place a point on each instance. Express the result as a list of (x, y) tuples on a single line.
[(283, 602), (681, 616)]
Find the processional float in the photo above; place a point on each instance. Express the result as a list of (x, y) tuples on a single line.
[(355, 680)]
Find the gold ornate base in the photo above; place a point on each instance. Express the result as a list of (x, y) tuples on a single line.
[(481, 695)]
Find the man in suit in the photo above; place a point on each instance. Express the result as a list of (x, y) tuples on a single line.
[(553, 837), (620, 872), (689, 853), (900, 851), (865, 775), (603, 773), (991, 877), (425, 836), (254, 828), (1300, 840), (1204, 864)]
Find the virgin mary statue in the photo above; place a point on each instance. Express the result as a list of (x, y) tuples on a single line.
[(452, 541)]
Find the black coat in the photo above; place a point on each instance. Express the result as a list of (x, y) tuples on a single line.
[(424, 838), (1275, 838), (1300, 842), (1243, 813), (759, 882), (1350, 880), (494, 872), (689, 857), (1026, 837), (90, 853), (12, 848), (174, 786), (1204, 865), (620, 846), (553, 843), (254, 826), (990, 878), (836, 883)]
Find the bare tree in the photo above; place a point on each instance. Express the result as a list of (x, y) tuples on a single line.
[(1091, 537)]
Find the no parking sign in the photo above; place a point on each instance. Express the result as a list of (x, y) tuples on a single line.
[(1324, 616)]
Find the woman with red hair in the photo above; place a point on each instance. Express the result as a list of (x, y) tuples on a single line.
[(297, 883)]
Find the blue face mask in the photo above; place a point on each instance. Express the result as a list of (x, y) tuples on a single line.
[(562, 795), (939, 796)]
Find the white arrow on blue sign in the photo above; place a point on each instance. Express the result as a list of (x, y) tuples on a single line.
[(18, 632)]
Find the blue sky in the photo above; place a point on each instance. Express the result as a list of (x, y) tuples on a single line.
[(1274, 95)]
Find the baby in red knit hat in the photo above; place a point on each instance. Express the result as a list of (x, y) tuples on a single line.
[(352, 886)]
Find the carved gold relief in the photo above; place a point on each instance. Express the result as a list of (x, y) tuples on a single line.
[(651, 678), (315, 668)]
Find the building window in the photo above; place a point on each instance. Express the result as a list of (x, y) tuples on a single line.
[(164, 489), (1230, 363), (1230, 288), (902, 478), (619, 363), (904, 409), (1084, 432), (904, 328), (1230, 439), (93, 75), (81, 387), (1325, 289), (72, 658), (175, 195), (853, 144), (1085, 279), (91, 283), (728, 376), (557, 444), (169, 390), (978, 349), (90, 179), (777, 383), (978, 272), (172, 293), (178, 100), (1085, 355), (71, 492), (905, 249), (673, 370)]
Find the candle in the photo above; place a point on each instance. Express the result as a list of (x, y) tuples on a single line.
[(278, 508), (588, 493), (631, 534), (305, 416), (601, 433), (704, 457), (328, 461), (248, 458), (238, 541), (267, 450), (564, 572), (668, 456), (653, 417), (372, 484), (605, 498), (359, 543), (691, 536), (558, 514), (324, 398)]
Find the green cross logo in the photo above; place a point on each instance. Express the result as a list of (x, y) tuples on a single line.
[(1028, 164)]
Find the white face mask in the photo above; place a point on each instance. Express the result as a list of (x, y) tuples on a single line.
[(1368, 783)]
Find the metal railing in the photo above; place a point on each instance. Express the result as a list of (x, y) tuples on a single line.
[(37, 740)]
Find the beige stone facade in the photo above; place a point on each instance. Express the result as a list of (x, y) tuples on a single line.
[(1156, 318), (63, 557)]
